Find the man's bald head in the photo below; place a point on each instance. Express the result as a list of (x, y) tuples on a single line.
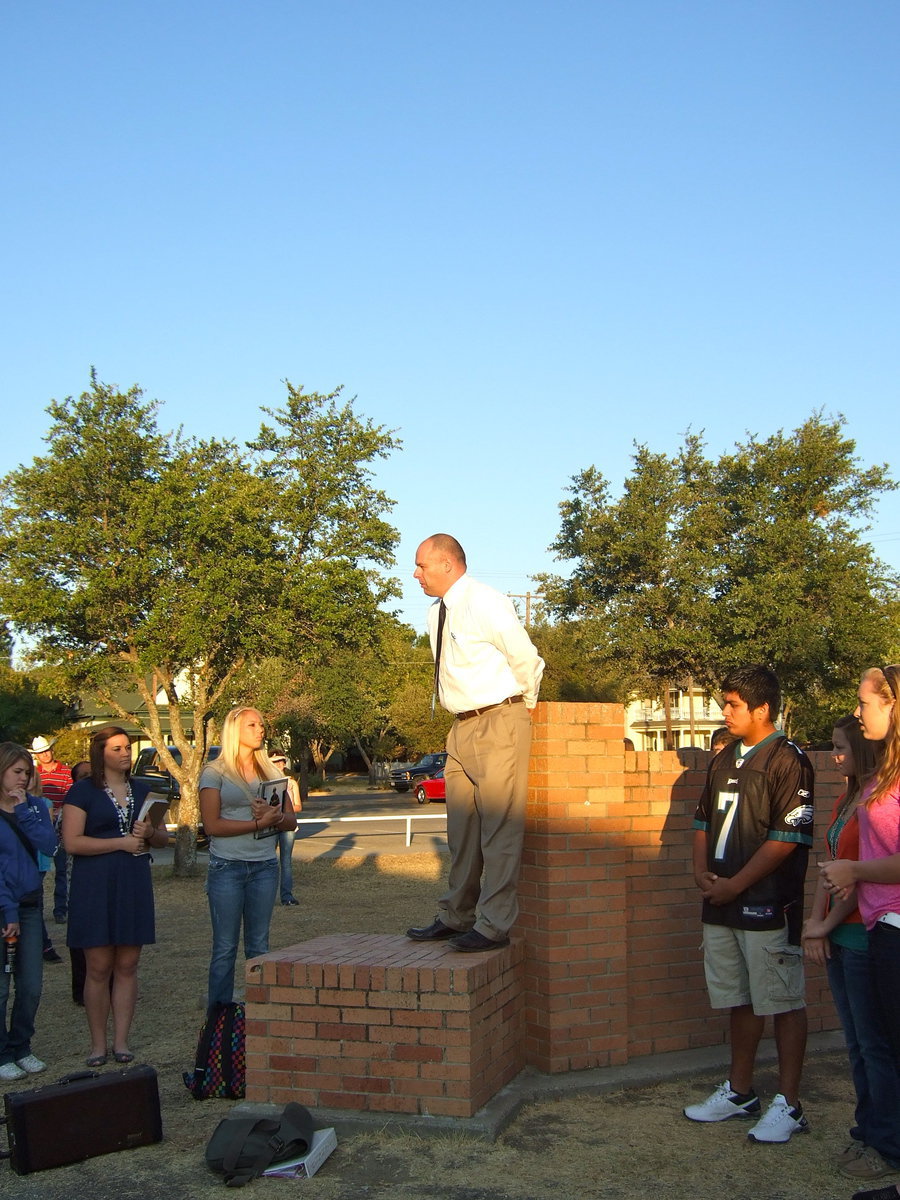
[(445, 543), (440, 561)]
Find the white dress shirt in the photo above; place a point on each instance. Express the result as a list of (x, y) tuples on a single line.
[(486, 655)]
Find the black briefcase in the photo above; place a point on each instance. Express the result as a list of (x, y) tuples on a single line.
[(81, 1116)]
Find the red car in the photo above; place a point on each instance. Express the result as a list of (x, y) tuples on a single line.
[(431, 788)]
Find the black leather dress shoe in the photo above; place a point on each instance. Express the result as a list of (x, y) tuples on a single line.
[(473, 940), (432, 933)]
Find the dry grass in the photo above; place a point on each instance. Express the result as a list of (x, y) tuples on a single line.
[(624, 1146)]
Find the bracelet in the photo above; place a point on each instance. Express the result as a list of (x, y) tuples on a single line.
[(256, 823)]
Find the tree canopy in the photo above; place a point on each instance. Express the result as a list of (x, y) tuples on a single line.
[(145, 560), (377, 699), (759, 555), (26, 710)]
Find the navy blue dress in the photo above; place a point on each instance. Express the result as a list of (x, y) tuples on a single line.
[(111, 898)]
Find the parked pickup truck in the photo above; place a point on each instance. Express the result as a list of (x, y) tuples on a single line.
[(148, 769), (404, 776)]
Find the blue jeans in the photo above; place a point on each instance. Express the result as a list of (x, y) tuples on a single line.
[(884, 950), (285, 850), (238, 891), (15, 1041), (875, 1076)]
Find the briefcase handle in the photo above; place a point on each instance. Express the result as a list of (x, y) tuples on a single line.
[(76, 1075)]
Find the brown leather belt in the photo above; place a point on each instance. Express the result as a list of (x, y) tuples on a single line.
[(476, 712)]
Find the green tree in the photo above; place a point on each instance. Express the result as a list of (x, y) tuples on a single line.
[(796, 582), (376, 698), (142, 560), (758, 556), (572, 673), (26, 710), (416, 729), (644, 569), (321, 709)]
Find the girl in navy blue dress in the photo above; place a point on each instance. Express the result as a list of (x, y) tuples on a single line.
[(111, 901)]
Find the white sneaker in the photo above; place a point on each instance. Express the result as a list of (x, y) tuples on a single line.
[(31, 1065), (11, 1071), (779, 1122), (722, 1104)]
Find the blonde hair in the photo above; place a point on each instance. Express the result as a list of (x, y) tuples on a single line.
[(886, 682), (228, 762)]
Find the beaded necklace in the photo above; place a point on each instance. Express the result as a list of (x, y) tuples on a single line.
[(124, 813)]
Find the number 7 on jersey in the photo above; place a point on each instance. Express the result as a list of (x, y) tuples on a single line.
[(727, 803)]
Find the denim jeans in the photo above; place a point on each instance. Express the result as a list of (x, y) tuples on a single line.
[(238, 891), (15, 1039), (875, 1077), (285, 850), (884, 949)]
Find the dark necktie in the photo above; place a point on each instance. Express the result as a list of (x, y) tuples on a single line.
[(442, 617)]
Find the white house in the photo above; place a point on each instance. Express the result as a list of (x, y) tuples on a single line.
[(694, 715)]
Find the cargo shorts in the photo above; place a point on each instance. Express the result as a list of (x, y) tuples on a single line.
[(758, 967)]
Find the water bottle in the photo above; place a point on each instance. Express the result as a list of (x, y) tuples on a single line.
[(12, 945)]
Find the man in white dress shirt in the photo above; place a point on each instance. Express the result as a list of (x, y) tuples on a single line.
[(487, 672)]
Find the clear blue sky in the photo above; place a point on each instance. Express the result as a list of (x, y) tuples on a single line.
[(523, 233)]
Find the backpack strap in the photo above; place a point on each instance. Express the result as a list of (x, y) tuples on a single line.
[(194, 1082), (273, 1146), (240, 1133), (297, 1124)]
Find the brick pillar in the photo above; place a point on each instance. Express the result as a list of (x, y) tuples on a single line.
[(377, 1023), (572, 894)]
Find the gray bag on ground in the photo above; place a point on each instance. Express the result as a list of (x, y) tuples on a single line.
[(242, 1148)]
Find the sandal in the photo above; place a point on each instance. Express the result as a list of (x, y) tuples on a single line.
[(123, 1056), (96, 1060)]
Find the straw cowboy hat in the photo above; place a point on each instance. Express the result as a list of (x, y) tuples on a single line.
[(40, 745)]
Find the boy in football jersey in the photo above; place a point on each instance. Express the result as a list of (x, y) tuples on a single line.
[(752, 832)]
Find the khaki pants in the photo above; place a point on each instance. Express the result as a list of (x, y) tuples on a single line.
[(486, 775)]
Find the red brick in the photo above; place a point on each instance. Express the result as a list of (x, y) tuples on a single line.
[(611, 965), (418, 1053)]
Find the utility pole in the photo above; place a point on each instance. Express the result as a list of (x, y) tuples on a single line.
[(526, 596)]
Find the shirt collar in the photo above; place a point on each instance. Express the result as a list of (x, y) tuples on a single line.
[(455, 591)]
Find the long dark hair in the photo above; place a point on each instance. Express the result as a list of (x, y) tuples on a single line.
[(95, 754), (866, 757)]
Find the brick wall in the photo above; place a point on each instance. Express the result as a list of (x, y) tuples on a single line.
[(604, 966), (610, 914), (572, 890), (382, 1024)]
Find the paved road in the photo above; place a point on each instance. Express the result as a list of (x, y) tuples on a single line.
[(357, 823)]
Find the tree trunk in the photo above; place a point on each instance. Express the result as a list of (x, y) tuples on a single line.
[(320, 756), (786, 714), (185, 863), (185, 852), (365, 756), (667, 709)]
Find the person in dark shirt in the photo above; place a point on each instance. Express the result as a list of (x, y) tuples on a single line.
[(753, 829)]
